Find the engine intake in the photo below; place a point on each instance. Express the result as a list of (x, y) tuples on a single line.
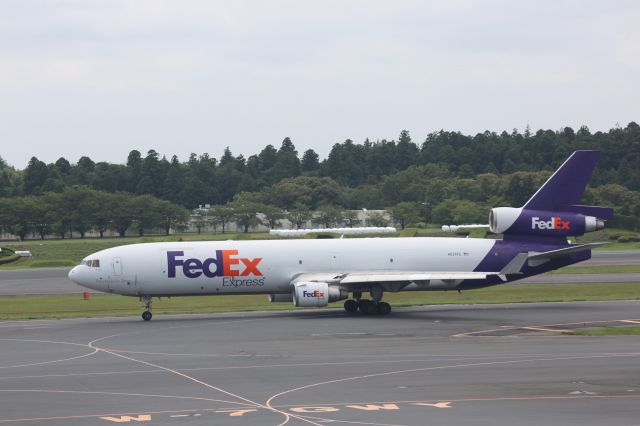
[(316, 294)]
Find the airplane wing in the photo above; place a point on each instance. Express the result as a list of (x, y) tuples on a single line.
[(394, 279)]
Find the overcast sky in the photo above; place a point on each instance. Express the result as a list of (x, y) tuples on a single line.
[(100, 78)]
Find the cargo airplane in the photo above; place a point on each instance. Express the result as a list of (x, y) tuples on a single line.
[(314, 273)]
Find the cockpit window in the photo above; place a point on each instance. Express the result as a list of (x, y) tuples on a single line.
[(93, 263)]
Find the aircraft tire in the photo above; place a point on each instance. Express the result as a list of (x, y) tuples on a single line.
[(351, 306), (383, 308), (367, 307), (146, 315)]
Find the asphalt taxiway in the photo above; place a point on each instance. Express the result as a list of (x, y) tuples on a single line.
[(481, 365)]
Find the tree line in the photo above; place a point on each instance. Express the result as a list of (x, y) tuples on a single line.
[(205, 179), (449, 178), (80, 209)]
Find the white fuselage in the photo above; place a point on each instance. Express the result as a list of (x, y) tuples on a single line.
[(233, 267)]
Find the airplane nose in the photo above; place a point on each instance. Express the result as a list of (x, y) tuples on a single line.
[(80, 275), (74, 275)]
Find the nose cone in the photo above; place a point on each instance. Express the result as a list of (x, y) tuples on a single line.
[(74, 274), (82, 275)]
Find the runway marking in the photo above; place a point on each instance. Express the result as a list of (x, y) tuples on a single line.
[(308, 364), (546, 327), (122, 351), (631, 321), (96, 349), (444, 367), (238, 413), (33, 364), (314, 409), (196, 398), (327, 408), (445, 404), (286, 415), (277, 407), (86, 416), (374, 407), (45, 341), (128, 419)]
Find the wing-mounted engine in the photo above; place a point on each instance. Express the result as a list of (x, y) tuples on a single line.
[(316, 294)]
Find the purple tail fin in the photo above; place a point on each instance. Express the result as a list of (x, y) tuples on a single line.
[(563, 190)]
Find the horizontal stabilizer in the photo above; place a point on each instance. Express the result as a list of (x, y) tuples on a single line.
[(604, 213), (536, 259)]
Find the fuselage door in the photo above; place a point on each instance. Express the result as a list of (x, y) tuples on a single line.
[(117, 266)]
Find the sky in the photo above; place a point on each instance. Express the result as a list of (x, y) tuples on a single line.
[(101, 78)]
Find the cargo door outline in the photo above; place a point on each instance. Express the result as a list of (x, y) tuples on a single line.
[(119, 283)]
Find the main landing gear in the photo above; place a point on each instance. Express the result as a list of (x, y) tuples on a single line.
[(146, 315), (375, 306)]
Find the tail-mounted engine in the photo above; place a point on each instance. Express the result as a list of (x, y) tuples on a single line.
[(316, 294), (554, 210), (521, 221)]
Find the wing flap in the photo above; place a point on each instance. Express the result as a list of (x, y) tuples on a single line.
[(368, 277), (383, 276)]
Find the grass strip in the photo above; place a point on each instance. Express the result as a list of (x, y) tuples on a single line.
[(69, 306), (606, 331)]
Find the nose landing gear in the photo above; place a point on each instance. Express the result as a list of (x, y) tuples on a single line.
[(146, 315)]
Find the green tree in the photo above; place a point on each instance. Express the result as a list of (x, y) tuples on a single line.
[(121, 217), (134, 169), (174, 216), (272, 214), (468, 212), (328, 216), (146, 213), (15, 215), (35, 176), (102, 216), (222, 214), (376, 219), (287, 161), (200, 219), (151, 178), (42, 212), (78, 205), (82, 173), (405, 213), (310, 161), (245, 214), (350, 217), (299, 215), (442, 213)]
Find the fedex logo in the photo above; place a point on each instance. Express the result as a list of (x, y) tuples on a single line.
[(555, 223), (316, 293), (226, 263)]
